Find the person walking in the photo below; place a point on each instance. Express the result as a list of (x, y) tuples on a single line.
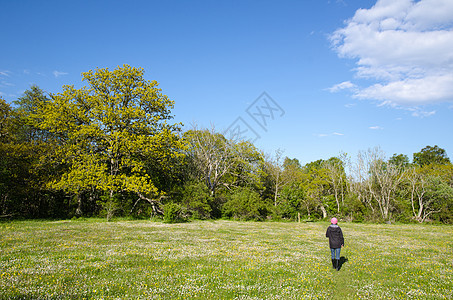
[(336, 241)]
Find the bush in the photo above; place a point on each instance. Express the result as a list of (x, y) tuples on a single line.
[(173, 213), (245, 204), (196, 200)]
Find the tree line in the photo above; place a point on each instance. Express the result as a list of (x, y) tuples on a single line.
[(111, 148)]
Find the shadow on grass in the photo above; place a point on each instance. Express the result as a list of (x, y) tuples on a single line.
[(343, 260)]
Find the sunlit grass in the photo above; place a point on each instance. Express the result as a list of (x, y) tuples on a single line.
[(222, 260)]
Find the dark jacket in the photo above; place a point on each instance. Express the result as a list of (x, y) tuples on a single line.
[(335, 236)]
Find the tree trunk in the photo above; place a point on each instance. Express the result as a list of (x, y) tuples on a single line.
[(79, 205), (338, 202), (324, 212)]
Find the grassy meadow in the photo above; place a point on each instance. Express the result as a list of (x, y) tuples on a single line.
[(94, 259)]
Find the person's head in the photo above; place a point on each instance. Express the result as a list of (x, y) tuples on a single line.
[(334, 221)]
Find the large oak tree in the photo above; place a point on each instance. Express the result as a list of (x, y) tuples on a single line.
[(106, 131)]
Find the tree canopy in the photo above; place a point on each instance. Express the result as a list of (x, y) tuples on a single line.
[(430, 155), (103, 131)]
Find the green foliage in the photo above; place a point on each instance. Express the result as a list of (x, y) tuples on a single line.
[(291, 203), (245, 204), (23, 170), (315, 182), (441, 195), (354, 209), (196, 200), (400, 160), (26, 117), (174, 213), (107, 129), (109, 204), (5, 120), (429, 155)]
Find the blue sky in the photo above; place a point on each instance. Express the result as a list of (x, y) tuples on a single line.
[(337, 75)]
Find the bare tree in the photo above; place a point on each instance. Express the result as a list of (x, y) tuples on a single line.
[(383, 179), (275, 170), (282, 172), (375, 180), (221, 161), (357, 179), (336, 177)]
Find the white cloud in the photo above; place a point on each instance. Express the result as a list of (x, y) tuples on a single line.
[(58, 73), (405, 46), (346, 85), (329, 134), (5, 73), (410, 91), (375, 127), (417, 112)]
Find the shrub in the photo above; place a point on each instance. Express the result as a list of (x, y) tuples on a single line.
[(173, 213), (196, 200), (245, 204)]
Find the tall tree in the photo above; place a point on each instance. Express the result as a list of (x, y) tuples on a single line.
[(5, 119), (222, 162), (21, 175), (429, 155), (275, 167), (420, 183), (212, 155), (316, 184), (27, 106), (5, 173), (383, 181), (337, 178), (106, 129)]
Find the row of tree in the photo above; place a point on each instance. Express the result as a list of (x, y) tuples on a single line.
[(110, 149)]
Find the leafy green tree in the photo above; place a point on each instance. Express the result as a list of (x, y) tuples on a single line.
[(429, 155), (399, 160), (27, 106), (5, 173), (106, 130), (316, 185), (293, 202), (22, 193), (5, 119), (286, 180), (439, 195), (247, 168)]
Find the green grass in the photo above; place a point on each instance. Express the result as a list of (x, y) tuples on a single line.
[(221, 260)]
